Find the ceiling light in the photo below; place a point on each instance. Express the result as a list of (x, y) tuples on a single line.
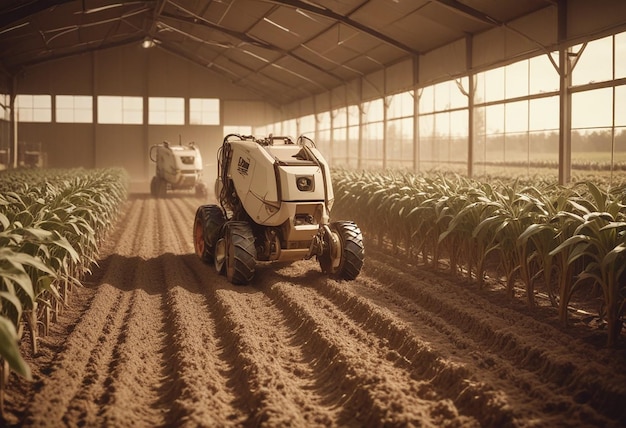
[(147, 43)]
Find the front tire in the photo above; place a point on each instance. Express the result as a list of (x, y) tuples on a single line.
[(153, 186), (206, 229), (201, 190), (346, 262), (240, 260), (160, 187)]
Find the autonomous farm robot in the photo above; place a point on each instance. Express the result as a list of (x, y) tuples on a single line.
[(275, 197)]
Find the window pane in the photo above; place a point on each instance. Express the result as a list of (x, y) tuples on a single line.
[(323, 120), (109, 109), (544, 114), (516, 116), (290, 128), (620, 106), (620, 55), (74, 109), (494, 84), (307, 125), (340, 118), (204, 111), (592, 109), (595, 63), (427, 99), (516, 79), (400, 105), (373, 110), (354, 115), (5, 110), (543, 75), (34, 108), (443, 95), (242, 130), (120, 110), (495, 119), (166, 111)]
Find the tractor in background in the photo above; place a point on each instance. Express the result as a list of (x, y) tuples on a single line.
[(178, 167)]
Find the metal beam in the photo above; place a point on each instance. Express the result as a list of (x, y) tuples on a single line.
[(26, 9), (325, 12), (470, 12), (197, 20)]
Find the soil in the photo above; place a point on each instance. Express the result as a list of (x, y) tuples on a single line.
[(156, 338)]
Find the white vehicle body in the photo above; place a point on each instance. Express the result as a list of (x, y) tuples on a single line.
[(275, 199), (178, 167)]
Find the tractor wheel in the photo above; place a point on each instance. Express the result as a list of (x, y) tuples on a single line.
[(240, 252), (206, 227), (344, 260), (160, 187), (201, 190), (153, 186)]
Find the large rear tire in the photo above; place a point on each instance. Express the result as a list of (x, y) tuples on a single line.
[(240, 260), (350, 253), (206, 230)]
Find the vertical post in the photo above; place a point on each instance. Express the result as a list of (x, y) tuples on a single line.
[(360, 149), (14, 121), (416, 115), (470, 105), (385, 104), (565, 98)]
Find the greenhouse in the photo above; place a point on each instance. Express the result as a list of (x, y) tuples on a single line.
[(337, 213)]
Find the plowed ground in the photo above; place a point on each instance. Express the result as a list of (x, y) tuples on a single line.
[(157, 338)]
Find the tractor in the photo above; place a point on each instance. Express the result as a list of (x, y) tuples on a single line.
[(178, 167), (275, 197)]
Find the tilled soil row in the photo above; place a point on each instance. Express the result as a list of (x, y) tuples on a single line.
[(559, 371), (165, 341)]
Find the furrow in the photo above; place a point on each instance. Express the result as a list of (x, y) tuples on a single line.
[(378, 386), (75, 375), (512, 337), (138, 378), (204, 395), (400, 320), (74, 389)]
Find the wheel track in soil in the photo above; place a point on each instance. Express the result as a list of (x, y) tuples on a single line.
[(171, 343)]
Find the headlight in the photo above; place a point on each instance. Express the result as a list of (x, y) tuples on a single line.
[(304, 183)]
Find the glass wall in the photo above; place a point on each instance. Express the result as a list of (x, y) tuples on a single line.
[(339, 137), (443, 126), (599, 107), (399, 131), (516, 119)]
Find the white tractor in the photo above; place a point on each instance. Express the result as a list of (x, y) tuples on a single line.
[(178, 167), (275, 198)]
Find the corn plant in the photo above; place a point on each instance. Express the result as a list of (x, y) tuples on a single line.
[(476, 241), (513, 212), (600, 239), (527, 229), (50, 225)]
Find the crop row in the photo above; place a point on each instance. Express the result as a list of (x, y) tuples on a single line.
[(51, 225), (561, 238)]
